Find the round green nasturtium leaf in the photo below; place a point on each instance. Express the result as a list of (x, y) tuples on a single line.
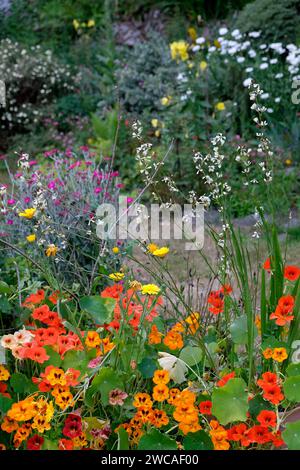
[(147, 367), (291, 435), (239, 330), (293, 369), (230, 402), (100, 309), (191, 355), (54, 358), (104, 382), (291, 388), (197, 441), (21, 384), (155, 440)]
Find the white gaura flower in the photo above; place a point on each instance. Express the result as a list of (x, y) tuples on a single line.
[(254, 34), (264, 96), (263, 66), (200, 40), (223, 31), (175, 366), (249, 69), (247, 82)]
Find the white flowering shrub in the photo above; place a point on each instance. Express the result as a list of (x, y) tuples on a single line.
[(33, 79)]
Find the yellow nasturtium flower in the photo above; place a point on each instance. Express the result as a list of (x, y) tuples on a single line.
[(203, 65), (154, 122)]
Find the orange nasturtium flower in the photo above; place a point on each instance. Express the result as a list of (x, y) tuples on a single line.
[(161, 377), (279, 354), (155, 335), (268, 353)]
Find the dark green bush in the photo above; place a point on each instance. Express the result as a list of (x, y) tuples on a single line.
[(278, 21)]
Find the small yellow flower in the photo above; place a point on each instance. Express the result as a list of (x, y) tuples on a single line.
[(161, 252), (192, 33), (31, 238), (150, 289), (179, 50), (91, 23), (76, 24), (157, 133), (51, 250), (288, 161), (166, 100), (115, 250), (203, 65), (220, 106), (279, 354), (154, 122), (152, 247), (116, 276), (28, 213), (217, 44), (4, 373)]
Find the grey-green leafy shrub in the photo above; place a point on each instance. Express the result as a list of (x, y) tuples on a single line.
[(278, 20)]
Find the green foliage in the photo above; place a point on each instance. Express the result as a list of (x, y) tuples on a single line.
[(230, 402), (197, 441), (100, 309), (291, 435), (277, 21), (155, 440)]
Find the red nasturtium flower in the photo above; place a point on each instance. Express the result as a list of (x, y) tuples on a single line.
[(35, 442), (267, 264), (259, 434), (223, 381), (284, 309), (216, 302), (237, 433), (34, 299), (291, 273), (73, 426), (205, 407), (65, 444), (267, 418)]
